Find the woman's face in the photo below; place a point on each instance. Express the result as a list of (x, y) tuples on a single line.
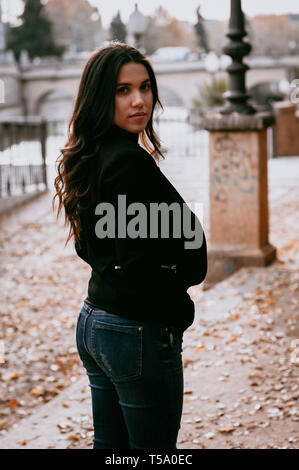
[(133, 98)]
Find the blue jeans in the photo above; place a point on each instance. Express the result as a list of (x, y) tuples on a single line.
[(136, 377)]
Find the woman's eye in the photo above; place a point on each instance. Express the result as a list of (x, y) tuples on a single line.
[(122, 89), (147, 86)]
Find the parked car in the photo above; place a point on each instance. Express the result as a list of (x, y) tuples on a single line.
[(171, 54)]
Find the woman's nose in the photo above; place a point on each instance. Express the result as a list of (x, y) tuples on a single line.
[(137, 99)]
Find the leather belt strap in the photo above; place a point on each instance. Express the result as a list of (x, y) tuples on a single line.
[(172, 267)]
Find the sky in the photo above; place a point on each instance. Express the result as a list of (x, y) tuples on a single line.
[(182, 10)]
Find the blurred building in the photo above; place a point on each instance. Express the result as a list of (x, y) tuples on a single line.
[(76, 25), (10, 94)]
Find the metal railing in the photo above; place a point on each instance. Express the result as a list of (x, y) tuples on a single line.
[(29, 148), (22, 156), (180, 137)]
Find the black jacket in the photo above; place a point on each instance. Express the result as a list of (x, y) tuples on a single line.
[(127, 278)]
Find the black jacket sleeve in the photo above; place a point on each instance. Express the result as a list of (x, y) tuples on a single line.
[(192, 264), (82, 251), (134, 173)]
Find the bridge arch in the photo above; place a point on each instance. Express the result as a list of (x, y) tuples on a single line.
[(177, 83), (169, 97), (55, 104)]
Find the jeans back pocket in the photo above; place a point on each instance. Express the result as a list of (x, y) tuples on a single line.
[(117, 349)]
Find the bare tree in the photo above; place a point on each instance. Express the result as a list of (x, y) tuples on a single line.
[(201, 32), (118, 30)]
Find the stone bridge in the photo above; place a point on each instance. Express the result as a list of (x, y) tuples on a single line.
[(49, 89)]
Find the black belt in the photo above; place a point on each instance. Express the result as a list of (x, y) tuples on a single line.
[(172, 267)]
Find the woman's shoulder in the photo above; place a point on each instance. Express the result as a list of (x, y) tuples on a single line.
[(122, 146), (127, 166), (122, 154), (116, 148)]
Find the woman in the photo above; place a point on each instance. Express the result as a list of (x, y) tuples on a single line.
[(130, 328)]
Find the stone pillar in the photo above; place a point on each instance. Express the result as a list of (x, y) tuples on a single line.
[(238, 193), (286, 129)]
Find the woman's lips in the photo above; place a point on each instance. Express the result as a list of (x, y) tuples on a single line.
[(138, 117)]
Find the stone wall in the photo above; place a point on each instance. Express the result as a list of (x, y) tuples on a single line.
[(10, 105), (286, 129)]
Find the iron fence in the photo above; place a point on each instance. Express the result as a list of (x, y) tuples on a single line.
[(22, 156), (180, 137), (29, 148)]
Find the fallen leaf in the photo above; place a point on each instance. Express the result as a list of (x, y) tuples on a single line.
[(55, 391), (223, 378), (265, 340), (252, 322), (256, 373), (280, 261), (252, 425), (231, 340), (12, 404), (226, 429), (254, 383), (65, 405), (187, 362), (13, 376), (277, 292), (36, 391), (72, 436), (71, 362), (64, 427), (233, 317), (24, 442)]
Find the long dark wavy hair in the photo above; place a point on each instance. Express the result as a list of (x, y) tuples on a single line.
[(92, 117)]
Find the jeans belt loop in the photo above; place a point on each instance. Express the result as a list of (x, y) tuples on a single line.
[(88, 308)]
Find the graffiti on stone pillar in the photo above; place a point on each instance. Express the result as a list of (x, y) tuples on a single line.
[(232, 166)]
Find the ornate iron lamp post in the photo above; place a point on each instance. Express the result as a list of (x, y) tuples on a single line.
[(2, 32), (238, 170), (236, 48)]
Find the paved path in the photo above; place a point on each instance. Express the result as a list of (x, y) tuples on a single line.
[(240, 366)]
